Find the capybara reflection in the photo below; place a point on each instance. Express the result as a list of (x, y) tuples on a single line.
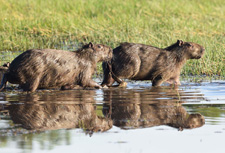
[(51, 112), (144, 62), (145, 109), (49, 68)]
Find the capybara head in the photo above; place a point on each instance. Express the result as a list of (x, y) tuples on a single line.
[(195, 120), (103, 52), (195, 51), (191, 50)]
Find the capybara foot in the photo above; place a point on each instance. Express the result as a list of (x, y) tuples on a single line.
[(98, 87), (93, 87), (123, 85), (70, 87), (104, 86), (174, 82)]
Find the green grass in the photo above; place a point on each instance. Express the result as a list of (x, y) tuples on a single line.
[(26, 24)]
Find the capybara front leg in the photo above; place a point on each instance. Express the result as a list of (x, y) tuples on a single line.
[(108, 80), (177, 80), (120, 81), (157, 82)]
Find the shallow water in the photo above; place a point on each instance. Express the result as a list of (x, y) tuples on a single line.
[(138, 119)]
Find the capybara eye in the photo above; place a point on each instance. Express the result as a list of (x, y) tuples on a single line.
[(190, 45), (99, 46)]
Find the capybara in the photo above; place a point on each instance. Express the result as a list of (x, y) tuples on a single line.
[(48, 68), (144, 62)]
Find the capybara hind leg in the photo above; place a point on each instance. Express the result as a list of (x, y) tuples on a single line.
[(156, 83), (33, 85)]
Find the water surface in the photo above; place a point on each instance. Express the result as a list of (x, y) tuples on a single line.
[(137, 119)]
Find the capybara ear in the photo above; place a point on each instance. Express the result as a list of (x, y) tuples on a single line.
[(6, 64), (90, 45), (180, 42)]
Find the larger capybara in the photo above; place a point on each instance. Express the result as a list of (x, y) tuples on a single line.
[(144, 62), (49, 68)]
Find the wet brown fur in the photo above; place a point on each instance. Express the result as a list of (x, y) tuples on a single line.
[(144, 62), (49, 68)]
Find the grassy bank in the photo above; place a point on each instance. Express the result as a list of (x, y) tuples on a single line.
[(26, 24)]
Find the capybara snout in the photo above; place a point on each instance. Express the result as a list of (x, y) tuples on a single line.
[(195, 51)]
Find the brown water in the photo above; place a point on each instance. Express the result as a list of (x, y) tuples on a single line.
[(138, 119)]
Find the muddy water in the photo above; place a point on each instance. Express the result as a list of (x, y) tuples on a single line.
[(138, 119)]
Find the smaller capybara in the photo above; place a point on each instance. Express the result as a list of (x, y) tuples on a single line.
[(144, 62), (50, 68)]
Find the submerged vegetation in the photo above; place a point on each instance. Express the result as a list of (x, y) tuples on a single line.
[(62, 24)]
